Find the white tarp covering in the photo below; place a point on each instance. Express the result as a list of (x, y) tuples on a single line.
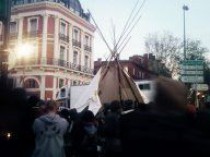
[(75, 93), (90, 96)]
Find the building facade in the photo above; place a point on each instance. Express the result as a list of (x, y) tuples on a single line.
[(139, 67), (51, 45)]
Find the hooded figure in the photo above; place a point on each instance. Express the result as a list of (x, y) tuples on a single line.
[(49, 130)]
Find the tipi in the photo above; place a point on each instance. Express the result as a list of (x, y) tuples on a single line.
[(112, 82)]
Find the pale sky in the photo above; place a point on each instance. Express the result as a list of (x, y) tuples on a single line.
[(158, 16)]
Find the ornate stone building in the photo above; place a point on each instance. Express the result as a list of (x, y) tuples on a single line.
[(50, 45)]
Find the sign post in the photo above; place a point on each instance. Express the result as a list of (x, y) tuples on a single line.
[(192, 71)]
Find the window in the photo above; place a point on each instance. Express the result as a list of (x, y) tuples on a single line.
[(145, 86), (31, 83), (86, 61), (74, 83), (33, 25), (87, 42), (63, 28), (75, 56), (61, 83), (13, 27), (134, 71), (62, 53), (62, 56), (139, 74), (76, 35), (142, 75)]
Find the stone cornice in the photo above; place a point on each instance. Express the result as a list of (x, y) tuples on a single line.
[(51, 6)]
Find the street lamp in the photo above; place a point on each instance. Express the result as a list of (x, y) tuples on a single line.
[(185, 8)]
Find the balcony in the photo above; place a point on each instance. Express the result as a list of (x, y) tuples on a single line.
[(31, 34), (63, 37), (85, 69), (76, 43), (22, 62), (53, 62), (87, 48)]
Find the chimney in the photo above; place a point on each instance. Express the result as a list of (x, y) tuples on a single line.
[(99, 60)]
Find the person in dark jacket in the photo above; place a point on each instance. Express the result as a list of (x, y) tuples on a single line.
[(112, 130), (84, 136)]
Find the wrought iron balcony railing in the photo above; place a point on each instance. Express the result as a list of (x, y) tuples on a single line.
[(76, 43), (53, 62), (64, 37), (85, 69), (87, 48), (31, 34)]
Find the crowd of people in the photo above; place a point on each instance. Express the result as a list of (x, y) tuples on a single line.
[(167, 127), (72, 134), (122, 129)]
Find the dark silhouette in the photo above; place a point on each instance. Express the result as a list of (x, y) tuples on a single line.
[(112, 130), (165, 128), (84, 136)]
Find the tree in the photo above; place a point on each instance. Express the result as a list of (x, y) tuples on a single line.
[(166, 48), (194, 50), (169, 50)]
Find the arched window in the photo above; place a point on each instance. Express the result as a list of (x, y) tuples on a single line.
[(31, 83)]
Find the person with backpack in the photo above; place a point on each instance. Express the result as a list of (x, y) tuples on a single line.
[(49, 130)]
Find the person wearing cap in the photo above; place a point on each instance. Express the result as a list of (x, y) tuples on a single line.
[(49, 130)]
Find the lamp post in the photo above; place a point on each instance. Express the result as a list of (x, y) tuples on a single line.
[(185, 8)]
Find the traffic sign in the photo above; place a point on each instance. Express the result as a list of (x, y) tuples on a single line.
[(201, 87), (192, 79), (186, 72), (192, 67), (192, 71), (192, 62)]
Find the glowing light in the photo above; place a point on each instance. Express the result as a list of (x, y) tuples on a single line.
[(24, 50), (8, 135)]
